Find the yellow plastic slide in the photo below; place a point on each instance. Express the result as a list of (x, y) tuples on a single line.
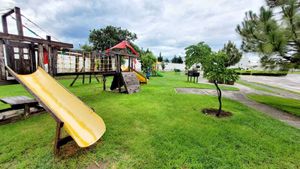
[(80, 121), (139, 75)]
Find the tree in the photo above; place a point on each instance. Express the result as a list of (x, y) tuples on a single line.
[(233, 54), (147, 61), (160, 58), (87, 48), (167, 60), (214, 66), (109, 36), (179, 59), (174, 59), (277, 42), (195, 54)]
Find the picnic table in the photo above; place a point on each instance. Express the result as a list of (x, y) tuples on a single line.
[(19, 102)]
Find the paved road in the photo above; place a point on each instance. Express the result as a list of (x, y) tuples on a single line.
[(290, 82)]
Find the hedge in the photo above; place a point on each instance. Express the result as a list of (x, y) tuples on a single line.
[(262, 73)]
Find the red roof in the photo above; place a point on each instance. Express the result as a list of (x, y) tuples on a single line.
[(123, 45)]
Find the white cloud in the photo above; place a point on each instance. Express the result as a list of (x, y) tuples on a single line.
[(166, 26)]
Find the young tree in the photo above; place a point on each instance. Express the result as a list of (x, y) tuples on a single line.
[(147, 61), (214, 66), (233, 54), (109, 36), (277, 42), (195, 54), (160, 58)]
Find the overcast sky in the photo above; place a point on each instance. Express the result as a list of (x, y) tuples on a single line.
[(166, 26)]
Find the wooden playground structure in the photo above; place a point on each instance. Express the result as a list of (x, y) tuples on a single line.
[(33, 62), (24, 54)]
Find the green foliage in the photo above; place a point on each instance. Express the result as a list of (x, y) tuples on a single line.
[(87, 48), (164, 126), (160, 58), (196, 54), (109, 36), (233, 54), (148, 60), (176, 59), (277, 42), (262, 72), (215, 69), (166, 60)]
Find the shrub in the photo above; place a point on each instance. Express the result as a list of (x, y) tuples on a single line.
[(177, 70), (262, 73)]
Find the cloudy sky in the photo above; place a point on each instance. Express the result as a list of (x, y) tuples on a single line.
[(166, 26)]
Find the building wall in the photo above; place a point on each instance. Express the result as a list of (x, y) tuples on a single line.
[(172, 66)]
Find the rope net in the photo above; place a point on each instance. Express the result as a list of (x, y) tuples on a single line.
[(68, 61)]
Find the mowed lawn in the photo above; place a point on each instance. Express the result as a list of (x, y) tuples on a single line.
[(291, 106), (155, 128)]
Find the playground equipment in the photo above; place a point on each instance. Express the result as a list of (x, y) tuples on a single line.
[(23, 54), (82, 124), (142, 79), (157, 73)]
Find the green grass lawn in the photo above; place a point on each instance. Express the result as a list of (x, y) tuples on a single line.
[(255, 86), (155, 128), (291, 106)]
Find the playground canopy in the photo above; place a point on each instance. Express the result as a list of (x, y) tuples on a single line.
[(123, 45)]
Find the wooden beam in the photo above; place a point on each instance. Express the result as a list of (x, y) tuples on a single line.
[(19, 21), (54, 61), (4, 24), (6, 36), (49, 49), (2, 62), (41, 56), (8, 13)]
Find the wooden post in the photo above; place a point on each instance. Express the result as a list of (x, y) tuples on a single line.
[(59, 125), (49, 49), (104, 82), (32, 57), (2, 62), (4, 24), (76, 63), (20, 33), (129, 60), (19, 21), (54, 61), (83, 70), (41, 56)]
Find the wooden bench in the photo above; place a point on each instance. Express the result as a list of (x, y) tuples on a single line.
[(19, 102)]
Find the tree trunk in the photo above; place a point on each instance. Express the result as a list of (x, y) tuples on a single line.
[(219, 98)]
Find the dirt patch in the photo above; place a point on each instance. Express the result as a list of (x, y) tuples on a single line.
[(98, 165), (214, 112)]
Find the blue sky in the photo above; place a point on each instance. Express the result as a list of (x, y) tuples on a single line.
[(166, 26)]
